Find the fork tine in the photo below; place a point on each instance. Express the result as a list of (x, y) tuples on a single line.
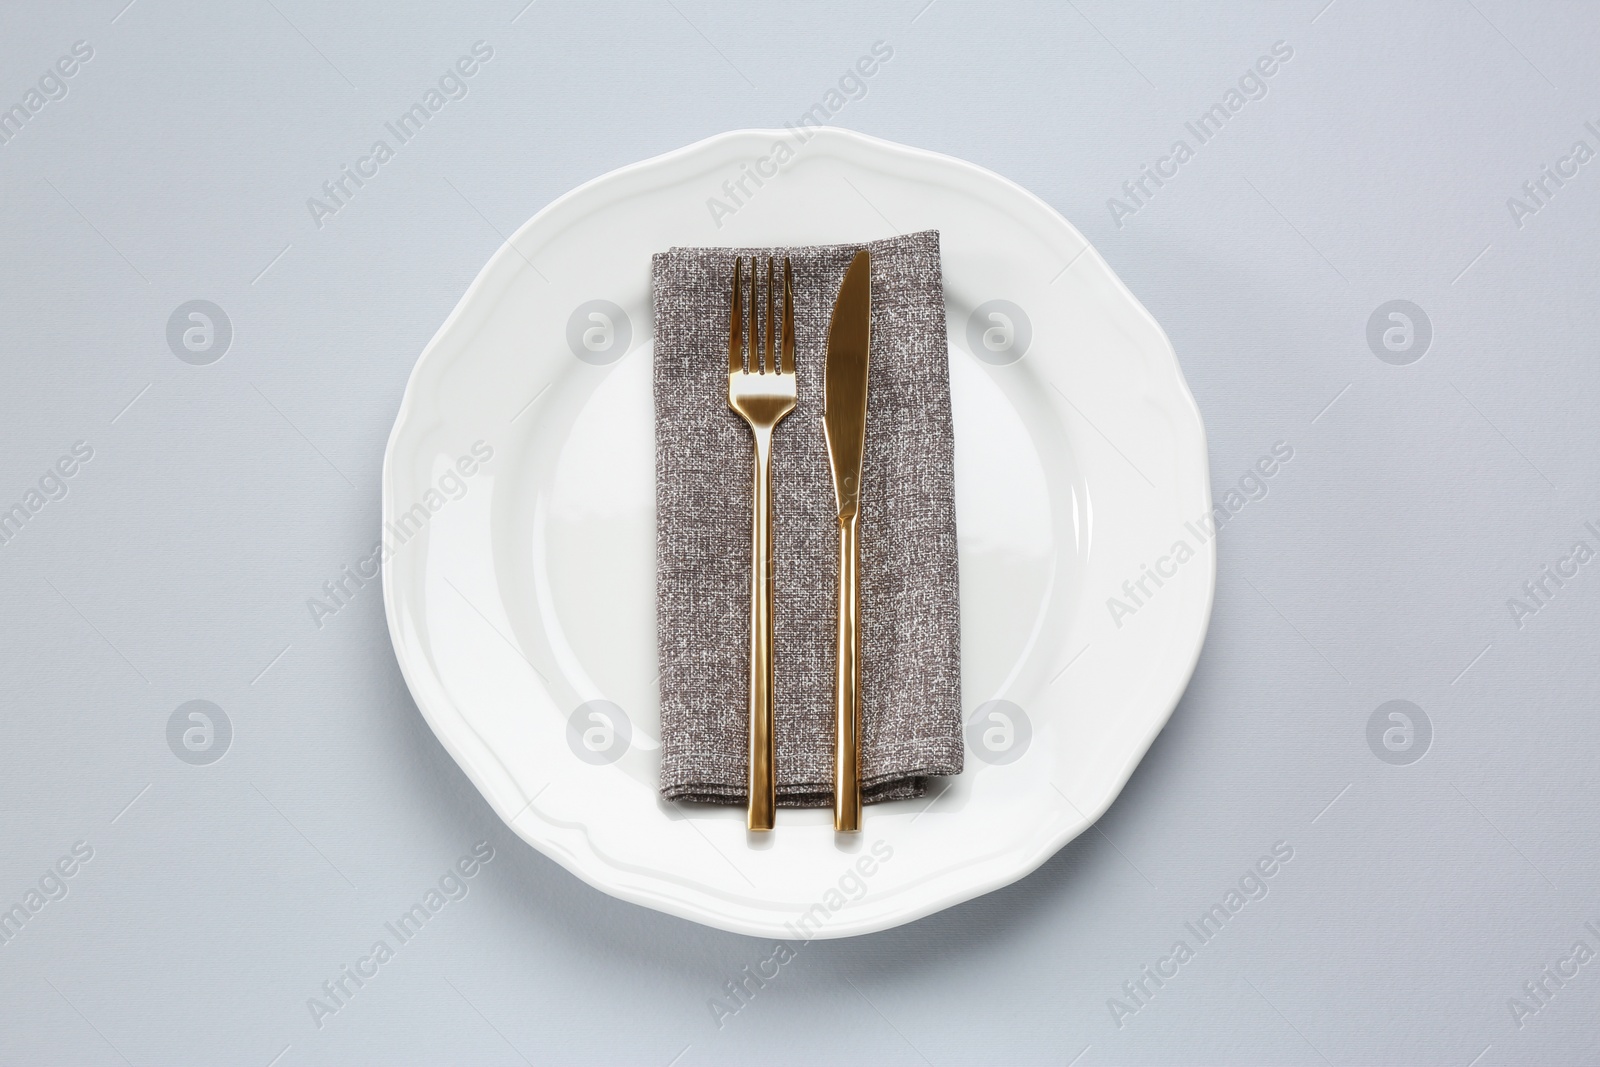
[(736, 325), (771, 350), (768, 361), (753, 322), (788, 319)]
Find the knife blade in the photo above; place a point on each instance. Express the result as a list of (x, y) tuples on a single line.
[(844, 420), (844, 382)]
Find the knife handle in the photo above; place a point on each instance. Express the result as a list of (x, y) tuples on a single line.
[(847, 685), (763, 792)]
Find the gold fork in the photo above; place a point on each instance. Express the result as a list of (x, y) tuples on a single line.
[(763, 394)]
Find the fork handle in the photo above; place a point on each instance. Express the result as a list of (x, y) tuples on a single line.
[(763, 789), (847, 685)]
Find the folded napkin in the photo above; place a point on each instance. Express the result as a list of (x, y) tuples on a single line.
[(910, 642)]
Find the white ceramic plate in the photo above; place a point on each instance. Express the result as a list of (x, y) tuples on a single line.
[(521, 595)]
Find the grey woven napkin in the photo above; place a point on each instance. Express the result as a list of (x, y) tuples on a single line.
[(910, 644)]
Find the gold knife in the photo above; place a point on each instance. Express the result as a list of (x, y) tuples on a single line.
[(844, 419)]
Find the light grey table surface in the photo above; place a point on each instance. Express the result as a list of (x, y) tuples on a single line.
[(1432, 477)]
